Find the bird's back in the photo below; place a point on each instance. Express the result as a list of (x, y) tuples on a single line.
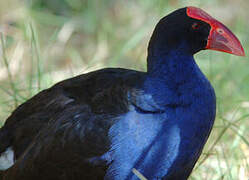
[(73, 117)]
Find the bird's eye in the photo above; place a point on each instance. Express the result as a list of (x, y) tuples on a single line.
[(220, 31), (195, 26)]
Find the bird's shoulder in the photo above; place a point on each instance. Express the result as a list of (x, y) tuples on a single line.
[(97, 94)]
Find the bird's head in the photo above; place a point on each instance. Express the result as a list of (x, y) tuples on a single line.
[(197, 30)]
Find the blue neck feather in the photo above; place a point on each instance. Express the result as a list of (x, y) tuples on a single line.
[(167, 62), (165, 144), (173, 75)]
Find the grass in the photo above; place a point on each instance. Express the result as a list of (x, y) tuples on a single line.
[(43, 42)]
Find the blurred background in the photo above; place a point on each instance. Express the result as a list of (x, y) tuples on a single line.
[(45, 41)]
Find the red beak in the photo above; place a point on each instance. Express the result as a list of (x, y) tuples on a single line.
[(220, 37)]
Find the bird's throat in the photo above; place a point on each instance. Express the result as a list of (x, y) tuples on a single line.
[(173, 76), (172, 66)]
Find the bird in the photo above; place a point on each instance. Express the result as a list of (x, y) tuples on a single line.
[(122, 124)]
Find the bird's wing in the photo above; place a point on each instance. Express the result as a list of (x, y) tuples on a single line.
[(79, 108), (65, 147)]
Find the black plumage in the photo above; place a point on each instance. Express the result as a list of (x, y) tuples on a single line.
[(72, 117)]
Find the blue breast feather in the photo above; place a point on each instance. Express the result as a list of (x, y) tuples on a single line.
[(137, 141), (174, 136)]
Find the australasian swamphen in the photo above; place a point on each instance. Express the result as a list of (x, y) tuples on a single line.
[(113, 123)]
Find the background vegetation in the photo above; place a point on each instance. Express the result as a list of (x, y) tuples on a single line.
[(45, 41)]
